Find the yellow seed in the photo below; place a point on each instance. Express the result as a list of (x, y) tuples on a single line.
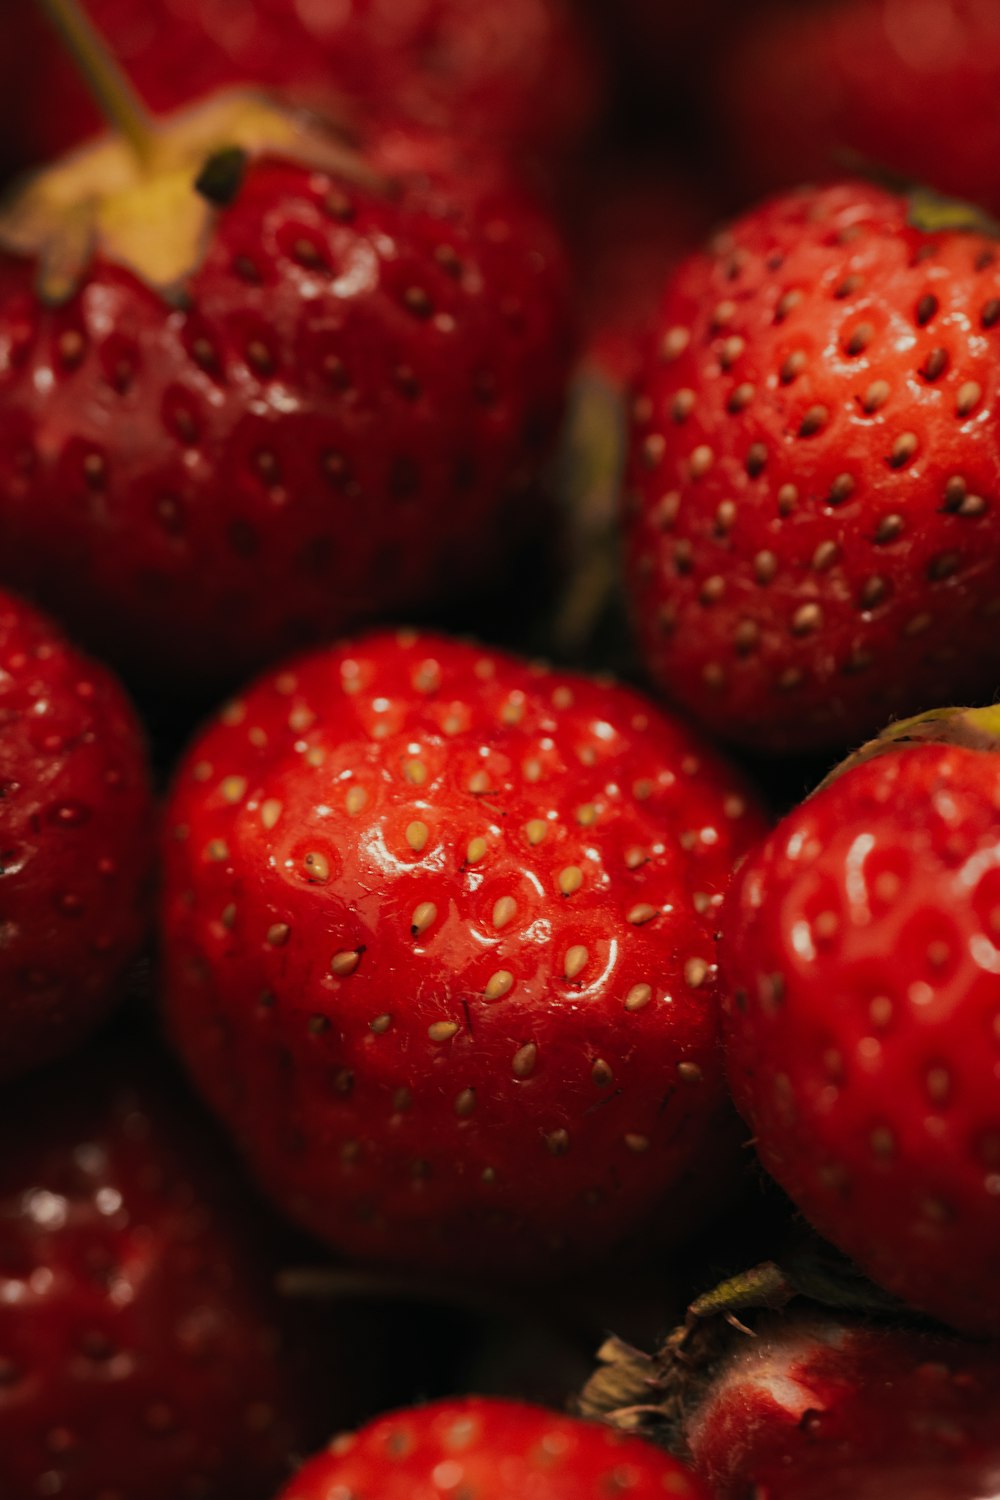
[(277, 934), (512, 712), (202, 771), (465, 1103), (634, 858), (442, 1031), (315, 756), (229, 917), (586, 816), (300, 719), (558, 1142), (532, 770), (356, 800), (475, 852), (345, 963), (479, 782), (576, 961), (270, 812), (234, 713), (423, 917), (642, 913), (381, 1024), (501, 983), (535, 830), (696, 972), (217, 850), (234, 789), (642, 790), (317, 867), (637, 1143), (689, 1072), (570, 879), (524, 1061), (415, 772), (601, 1073), (638, 997), (427, 677), (504, 911), (417, 835), (562, 698)]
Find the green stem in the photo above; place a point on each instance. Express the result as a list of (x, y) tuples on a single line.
[(115, 96)]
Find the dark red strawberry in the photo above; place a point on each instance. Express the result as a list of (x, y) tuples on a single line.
[(492, 1450), (861, 954), (910, 87), (522, 75), (76, 839), (139, 1347), (438, 936), (236, 427), (814, 1407), (813, 535)]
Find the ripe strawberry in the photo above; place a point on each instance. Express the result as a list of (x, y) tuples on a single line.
[(814, 1407), (813, 535), (493, 1450), (76, 835), (522, 76), (138, 1337), (337, 406), (438, 937), (862, 1013), (908, 87)]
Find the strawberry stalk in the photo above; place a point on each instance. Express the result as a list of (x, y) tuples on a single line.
[(115, 96)]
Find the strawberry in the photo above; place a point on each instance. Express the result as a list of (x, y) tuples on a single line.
[(524, 76), (438, 939), (138, 1336), (813, 1406), (237, 421), (812, 534), (906, 87), (493, 1450), (862, 1012), (76, 839)]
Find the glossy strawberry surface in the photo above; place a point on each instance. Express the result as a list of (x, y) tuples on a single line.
[(490, 1450), (76, 839), (523, 75), (906, 87), (345, 416), (139, 1348), (438, 942), (813, 538), (818, 1410), (862, 1020)]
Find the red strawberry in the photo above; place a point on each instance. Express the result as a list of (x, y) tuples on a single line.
[(862, 1007), (911, 87), (813, 535), (492, 1450), (76, 835), (438, 937), (138, 1337), (338, 406), (815, 1408), (523, 75)]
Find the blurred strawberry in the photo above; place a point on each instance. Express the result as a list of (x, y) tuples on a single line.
[(76, 839), (909, 85)]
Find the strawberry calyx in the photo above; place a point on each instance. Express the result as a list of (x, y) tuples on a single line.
[(967, 728), (655, 1395), (154, 213)]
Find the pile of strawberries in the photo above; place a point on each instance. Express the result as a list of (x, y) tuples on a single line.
[(497, 721)]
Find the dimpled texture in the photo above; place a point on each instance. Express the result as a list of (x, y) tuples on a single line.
[(907, 86), (346, 418), (490, 1450), (138, 1337), (76, 839), (862, 1021), (813, 1410), (523, 75), (813, 533), (438, 934)]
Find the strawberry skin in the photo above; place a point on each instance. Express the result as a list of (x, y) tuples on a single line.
[(345, 416), (138, 1336), (862, 1020), (493, 1450), (76, 839), (522, 76), (813, 536), (438, 937), (812, 1409), (801, 86)]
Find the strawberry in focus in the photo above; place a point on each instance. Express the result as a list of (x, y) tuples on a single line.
[(493, 1450), (139, 1340), (812, 531), (522, 77), (438, 935), (76, 839), (862, 1012), (906, 87), (233, 418)]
